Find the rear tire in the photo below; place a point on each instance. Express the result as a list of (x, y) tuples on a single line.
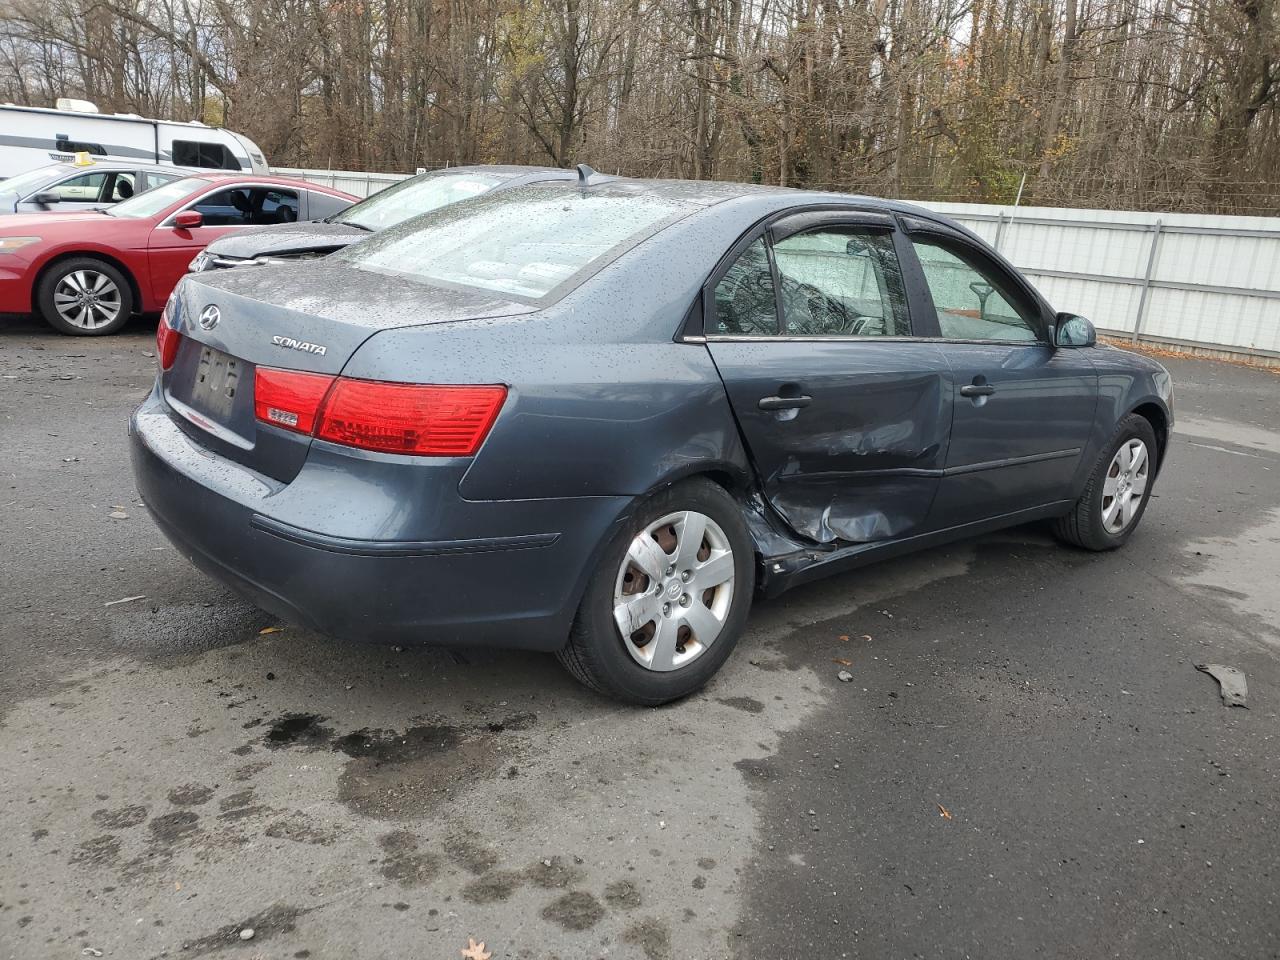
[(84, 297), (1117, 492), (682, 617)]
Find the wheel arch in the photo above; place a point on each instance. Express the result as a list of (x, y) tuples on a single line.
[(1155, 414), (64, 255)]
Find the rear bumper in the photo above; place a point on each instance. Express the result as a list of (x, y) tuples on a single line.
[(519, 588)]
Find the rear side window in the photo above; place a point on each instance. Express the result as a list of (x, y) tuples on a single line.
[(841, 281), (527, 243), (321, 205), (202, 153)]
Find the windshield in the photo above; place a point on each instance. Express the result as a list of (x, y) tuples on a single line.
[(153, 201), (523, 243), (414, 196), (32, 180)]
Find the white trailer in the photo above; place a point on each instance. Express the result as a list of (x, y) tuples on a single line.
[(33, 137)]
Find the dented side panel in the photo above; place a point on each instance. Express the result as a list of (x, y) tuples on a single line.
[(863, 459)]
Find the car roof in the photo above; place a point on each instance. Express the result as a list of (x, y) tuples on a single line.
[(511, 170), (232, 179), (66, 166)]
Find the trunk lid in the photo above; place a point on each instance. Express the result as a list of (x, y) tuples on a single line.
[(309, 317)]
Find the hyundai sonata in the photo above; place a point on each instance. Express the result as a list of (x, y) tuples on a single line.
[(597, 418)]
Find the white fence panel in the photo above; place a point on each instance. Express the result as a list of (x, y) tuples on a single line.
[(354, 182)]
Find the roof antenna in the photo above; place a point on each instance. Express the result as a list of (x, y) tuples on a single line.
[(585, 173)]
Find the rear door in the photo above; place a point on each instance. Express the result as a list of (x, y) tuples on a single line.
[(1023, 409), (171, 248), (844, 407)]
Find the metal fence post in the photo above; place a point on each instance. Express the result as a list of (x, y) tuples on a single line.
[(1146, 282), (999, 231)]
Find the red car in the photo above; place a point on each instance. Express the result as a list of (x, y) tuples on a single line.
[(85, 273)]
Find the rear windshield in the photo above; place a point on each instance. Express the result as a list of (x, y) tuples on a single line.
[(153, 201), (417, 195), (523, 243)]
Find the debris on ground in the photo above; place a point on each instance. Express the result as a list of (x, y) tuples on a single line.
[(265, 630), (844, 638), (1231, 683), (246, 933), (475, 951), (112, 603), (90, 952), (844, 676), (118, 515), (842, 661), (944, 812)]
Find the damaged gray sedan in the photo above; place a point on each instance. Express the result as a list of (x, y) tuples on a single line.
[(598, 418)]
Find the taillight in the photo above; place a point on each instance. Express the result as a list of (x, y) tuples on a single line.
[(167, 338), (427, 420), (289, 399)]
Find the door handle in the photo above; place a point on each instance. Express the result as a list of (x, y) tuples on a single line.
[(977, 390), (784, 403)]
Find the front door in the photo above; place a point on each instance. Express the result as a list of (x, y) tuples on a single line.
[(1023, 409), (172, 248), (845, 413)]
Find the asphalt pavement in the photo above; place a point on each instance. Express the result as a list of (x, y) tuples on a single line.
[(1026, 763)]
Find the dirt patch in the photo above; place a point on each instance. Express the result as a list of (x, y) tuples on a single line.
[(233, 801), (576, 910), (190, 795), (404, 864), (171, 828), (248, 771), (652, 936), (122, 818), (276, 919), (706, 863), (622, 895)]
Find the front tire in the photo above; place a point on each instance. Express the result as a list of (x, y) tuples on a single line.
[(1116, 495), (669, 599), (84, 297)]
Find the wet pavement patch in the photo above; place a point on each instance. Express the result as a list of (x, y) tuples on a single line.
[(99, 851), (493, 887), (404, 864), (170, 828), (190, 795), (622, 895), (298, 730), (651, 936), (576, 910), (759, 770), (553, 874), (468, 851), (299, 828), (121, 818), (746, 704), (276, 919)]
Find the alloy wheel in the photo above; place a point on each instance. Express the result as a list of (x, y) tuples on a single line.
[(674, 590), (1124, 486), (87, 299)]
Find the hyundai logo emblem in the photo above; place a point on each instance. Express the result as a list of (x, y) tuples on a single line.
[(209, 317)]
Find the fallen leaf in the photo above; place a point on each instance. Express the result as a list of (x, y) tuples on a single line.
[(475, 951), (844, 638), (177, 885), (266, 630), (943, 812), (842, 662)]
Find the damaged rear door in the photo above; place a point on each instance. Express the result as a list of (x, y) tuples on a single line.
[(845, 409)]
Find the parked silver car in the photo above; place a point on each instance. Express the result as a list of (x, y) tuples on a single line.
[(70, 188)]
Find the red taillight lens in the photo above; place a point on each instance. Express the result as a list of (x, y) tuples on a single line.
[(426, 420), (167, 340), (289, 399)]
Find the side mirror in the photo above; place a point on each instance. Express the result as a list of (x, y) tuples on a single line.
[(46, 199), (188, 219), (1074, 331)]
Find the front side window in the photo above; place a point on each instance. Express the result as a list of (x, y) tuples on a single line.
[(969, 305), (247, 206), (841, 281), (524, 243), (86, 188), (744, 300), (431, 191)]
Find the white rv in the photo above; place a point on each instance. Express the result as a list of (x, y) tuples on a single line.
[(33, 137)]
